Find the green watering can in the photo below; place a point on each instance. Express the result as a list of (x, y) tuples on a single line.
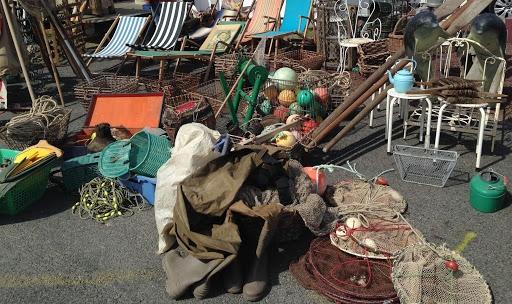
[(487, 192)]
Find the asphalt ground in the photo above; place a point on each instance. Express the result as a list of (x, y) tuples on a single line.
[(49, 255)]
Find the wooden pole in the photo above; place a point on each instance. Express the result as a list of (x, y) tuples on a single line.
[(102, 42), (55, 73), (19, 52), (334, 120), (460, 18), (360, 116)]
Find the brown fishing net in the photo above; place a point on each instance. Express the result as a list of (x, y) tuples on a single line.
[(376, 238), (353, 196), (344, 278), (349, 197), (421, 275)]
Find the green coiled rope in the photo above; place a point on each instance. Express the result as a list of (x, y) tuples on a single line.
[(104, 198)]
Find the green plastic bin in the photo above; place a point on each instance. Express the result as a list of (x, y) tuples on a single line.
[(148, 153), (19, 195), (80, 170)]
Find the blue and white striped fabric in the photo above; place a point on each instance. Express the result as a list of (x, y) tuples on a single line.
[(127, 31), (168, 29)]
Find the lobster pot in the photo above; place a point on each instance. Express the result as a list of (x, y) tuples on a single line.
[(300, 60), (185, 80), (423, 165), (185, 109), (20, 139), (104, 84)]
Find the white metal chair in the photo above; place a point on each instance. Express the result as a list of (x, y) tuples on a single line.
[(479, 119), (355, 29)]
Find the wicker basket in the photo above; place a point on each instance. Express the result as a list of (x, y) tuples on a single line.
[(186, 80), (228, 63), (55, 135), (396, 38), (185, 109), (300, 60), (371, 56), (105, 84)]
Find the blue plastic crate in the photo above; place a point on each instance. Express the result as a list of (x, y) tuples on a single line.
[(143, 185)]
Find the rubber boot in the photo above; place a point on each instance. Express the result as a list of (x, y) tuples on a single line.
[(233, 279), (257, 279), (202, 290)]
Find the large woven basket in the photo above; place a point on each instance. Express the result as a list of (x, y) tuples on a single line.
[(104, 84), (55, 135), (301, 60), (396, 38)]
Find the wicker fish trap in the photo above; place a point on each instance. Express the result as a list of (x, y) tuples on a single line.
[(425, 273), (343, 278), (185, 109), (104, 84), (46, 120)]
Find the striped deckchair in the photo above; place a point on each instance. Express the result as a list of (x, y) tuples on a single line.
[(210, 48), (128, 30), (295, 21), (264, 17), (171, 19)]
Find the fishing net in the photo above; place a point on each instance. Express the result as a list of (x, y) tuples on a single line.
[(356, 196), (344, 278), (349, 197), (421, 275), (376, 238)]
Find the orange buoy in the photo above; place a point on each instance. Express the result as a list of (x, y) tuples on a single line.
[(321, 183)]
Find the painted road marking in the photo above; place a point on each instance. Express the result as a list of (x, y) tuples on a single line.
[(50, 280)]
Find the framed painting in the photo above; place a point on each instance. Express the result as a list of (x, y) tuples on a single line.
[(222, 32)]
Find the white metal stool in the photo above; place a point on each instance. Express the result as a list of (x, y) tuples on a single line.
[(392, 98)]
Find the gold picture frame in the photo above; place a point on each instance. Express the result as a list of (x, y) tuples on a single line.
[(221, 32)]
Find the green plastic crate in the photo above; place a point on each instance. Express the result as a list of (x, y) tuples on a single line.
[(20, 194), (80, 170)]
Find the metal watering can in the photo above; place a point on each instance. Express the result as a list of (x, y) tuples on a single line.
[(403, 80), (487, 192)]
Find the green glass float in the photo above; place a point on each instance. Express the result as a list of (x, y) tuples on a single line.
[(317, 110), (305, 98), (295, 108), (266, 107)]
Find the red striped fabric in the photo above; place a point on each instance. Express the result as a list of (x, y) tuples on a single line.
[(257, 24)]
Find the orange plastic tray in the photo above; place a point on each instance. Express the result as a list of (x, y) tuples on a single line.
[(131, 111)]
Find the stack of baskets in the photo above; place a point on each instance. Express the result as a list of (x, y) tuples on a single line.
[(371, 56), (105, 84)]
